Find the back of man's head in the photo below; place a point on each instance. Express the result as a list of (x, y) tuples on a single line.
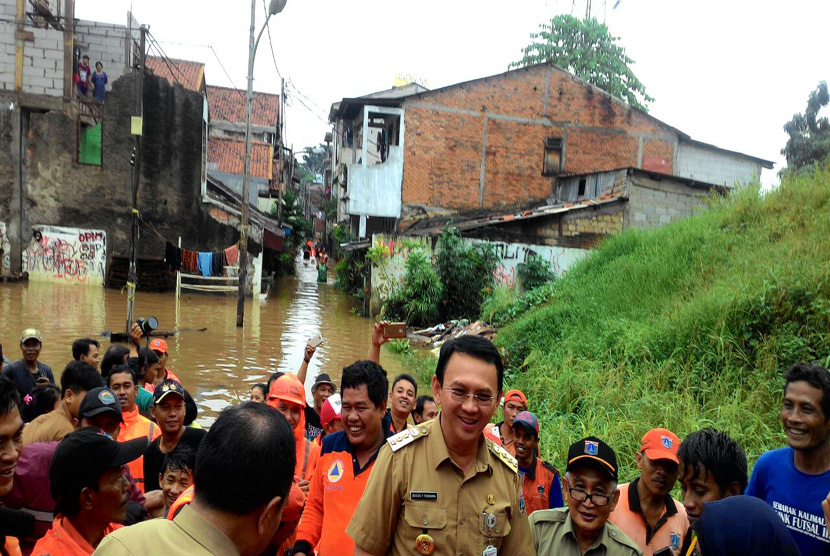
[(474, 346), (369, 373), (814, 375), (245, 460), (81, 347), (721, 456), (9, 398), (114, 355), (80, 377)]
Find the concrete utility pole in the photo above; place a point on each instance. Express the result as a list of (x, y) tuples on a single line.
[(275, 7), (137, 126)]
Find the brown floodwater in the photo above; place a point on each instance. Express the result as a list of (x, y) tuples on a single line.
[(218, 366)]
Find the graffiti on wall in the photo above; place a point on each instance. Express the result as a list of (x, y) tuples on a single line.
[(5, 251), (511, 255), (68, 255)]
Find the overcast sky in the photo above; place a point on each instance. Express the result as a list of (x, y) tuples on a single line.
[(727, 73)]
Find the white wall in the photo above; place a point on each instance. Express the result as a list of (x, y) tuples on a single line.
[(713, 166), (67, 255)]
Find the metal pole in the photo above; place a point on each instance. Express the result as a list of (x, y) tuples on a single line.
[(246, 182), (135, 175), (282, 154)]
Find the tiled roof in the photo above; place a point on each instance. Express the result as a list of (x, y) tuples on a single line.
[(227, 154), (229, 105), (191, 75)]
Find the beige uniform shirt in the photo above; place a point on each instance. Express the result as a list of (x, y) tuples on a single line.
[(415, 488), (48, 427), (188, 535), (553, 534)]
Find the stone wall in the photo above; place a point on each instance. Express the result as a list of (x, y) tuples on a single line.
[(654, 203), (711, 165), (61, 192), (43, 60)]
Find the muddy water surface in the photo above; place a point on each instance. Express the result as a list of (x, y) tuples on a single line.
[(218, 366)]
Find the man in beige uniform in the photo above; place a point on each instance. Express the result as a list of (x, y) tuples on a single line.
[(583, 529), (442, 488)]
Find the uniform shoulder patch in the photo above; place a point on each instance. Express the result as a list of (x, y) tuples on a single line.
[(558, 515), (405, 437), (550, 467), (503, 455)]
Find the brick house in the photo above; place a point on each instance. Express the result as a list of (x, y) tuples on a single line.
[(506, 142)]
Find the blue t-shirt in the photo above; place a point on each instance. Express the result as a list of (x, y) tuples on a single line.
[(796, 496)]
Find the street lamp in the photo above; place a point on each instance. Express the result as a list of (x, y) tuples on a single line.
[(275, 7)]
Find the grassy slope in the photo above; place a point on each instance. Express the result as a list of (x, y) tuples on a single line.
[(687, 326)]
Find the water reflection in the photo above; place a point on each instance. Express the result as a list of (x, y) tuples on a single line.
[(218, 366)]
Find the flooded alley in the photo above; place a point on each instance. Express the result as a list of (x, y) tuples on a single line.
[(219, 365)]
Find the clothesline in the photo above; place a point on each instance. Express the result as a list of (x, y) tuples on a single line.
[(209, 263)]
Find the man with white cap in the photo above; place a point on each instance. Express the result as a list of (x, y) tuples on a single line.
[(28, 372)]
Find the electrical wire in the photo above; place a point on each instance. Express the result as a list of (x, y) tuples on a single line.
[(273, 56)]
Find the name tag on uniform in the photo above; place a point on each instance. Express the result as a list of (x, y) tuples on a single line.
[(423, 495)]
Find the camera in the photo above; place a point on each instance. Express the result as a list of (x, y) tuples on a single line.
[(148, 325)]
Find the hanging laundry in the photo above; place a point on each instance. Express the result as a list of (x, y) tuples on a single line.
[(232, 255), (172, 256), (189, 260), (206, 263), (218, 266)]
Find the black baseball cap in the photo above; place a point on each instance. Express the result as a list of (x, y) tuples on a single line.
[(165, 388), (323, 378), (98, 401), (85, 454), (592, 450)]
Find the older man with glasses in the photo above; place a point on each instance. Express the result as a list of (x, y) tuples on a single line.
[(591, 493)]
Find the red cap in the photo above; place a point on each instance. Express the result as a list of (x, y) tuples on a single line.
[(660, 444), (331, 409), (287, 388), (157, 344), (515, 396)]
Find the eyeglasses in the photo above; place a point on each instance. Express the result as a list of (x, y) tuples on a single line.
[(580, 495), (460, 396)]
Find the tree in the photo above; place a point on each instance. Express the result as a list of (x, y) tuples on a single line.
[(809, 141), (587, 50), (314, 159)]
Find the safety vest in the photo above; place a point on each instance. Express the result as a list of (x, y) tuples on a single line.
[(134, 426)]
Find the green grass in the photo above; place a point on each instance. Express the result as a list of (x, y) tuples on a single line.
[(686, 326)]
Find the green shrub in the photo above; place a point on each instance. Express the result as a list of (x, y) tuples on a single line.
[(496, 302), (685, 326), (466, 273), (416, 300), (534, 272), (349, 271)]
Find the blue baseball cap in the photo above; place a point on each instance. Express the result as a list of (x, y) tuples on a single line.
[(528, 420)]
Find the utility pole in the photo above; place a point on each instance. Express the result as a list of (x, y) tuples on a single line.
[(282, 154), (275, 7), (136, 128)]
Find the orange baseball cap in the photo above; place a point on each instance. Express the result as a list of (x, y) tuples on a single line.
[(515, 396), (287, 388), (157, 344), (660, 444)]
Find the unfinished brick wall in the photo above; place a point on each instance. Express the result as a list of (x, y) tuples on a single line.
[(480, 144), (653, 203)]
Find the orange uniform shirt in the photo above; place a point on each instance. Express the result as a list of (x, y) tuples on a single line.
[(65, 540), (336, 487), (668, 532), (541, 486), (134, 426)]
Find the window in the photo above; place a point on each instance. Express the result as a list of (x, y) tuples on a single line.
[(552, 164), (581, 192)]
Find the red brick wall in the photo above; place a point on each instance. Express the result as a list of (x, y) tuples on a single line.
[(445, 134)]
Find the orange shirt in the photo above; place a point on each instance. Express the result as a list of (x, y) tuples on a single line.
[(12, 547), (134, 426), (65, 540), (669, 531), (336, 487)]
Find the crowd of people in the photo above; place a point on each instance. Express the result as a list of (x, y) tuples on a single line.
[(112, 461)]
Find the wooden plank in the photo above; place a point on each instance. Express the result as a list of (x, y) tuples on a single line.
[(198, 277), (198, 287)]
